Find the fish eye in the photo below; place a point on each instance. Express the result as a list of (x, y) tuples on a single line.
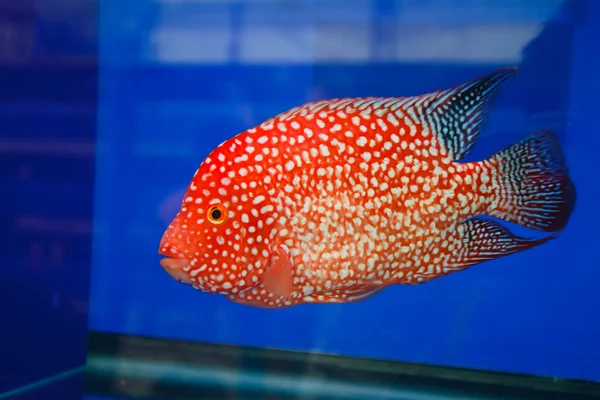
[(217, 214)]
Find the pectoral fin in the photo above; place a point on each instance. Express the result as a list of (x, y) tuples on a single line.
[(278, 276)]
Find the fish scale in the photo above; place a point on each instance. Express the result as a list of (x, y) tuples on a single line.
[(336, 200)]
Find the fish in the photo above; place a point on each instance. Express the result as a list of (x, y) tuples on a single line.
[(335, 200)]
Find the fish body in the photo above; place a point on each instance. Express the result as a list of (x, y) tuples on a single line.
[(335, 200)]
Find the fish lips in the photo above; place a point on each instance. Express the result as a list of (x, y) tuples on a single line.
[(176, 268)]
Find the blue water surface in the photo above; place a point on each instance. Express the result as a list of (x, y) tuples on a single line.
[(178, 78)]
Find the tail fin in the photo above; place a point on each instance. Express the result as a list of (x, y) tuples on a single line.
[(535, 190)]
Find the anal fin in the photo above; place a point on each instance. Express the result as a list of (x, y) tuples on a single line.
[(478, 240), (355, 294)]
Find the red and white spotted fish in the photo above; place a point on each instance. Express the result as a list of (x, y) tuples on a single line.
[(336, 200)]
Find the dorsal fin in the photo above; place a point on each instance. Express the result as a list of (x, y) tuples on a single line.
[(458, 113)]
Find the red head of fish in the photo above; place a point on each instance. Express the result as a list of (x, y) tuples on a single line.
[(218, 241)]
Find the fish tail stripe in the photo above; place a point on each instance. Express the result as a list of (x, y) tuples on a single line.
[(458, 114), (535, 188), (478, 240)]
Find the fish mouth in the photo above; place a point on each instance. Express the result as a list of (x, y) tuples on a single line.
[(175, 267)]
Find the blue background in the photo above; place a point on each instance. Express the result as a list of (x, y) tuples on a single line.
[(48, 99), (177, 78)]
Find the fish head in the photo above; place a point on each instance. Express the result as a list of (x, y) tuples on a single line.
[(218, 241)]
